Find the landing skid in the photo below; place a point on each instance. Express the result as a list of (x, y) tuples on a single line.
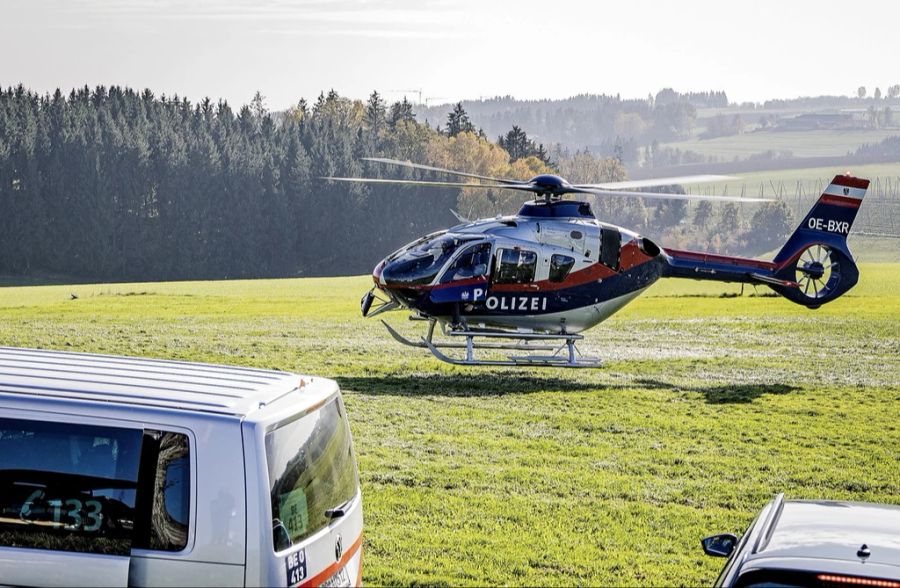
[(564, 353)]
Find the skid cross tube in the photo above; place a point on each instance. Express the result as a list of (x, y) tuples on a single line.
[(429, 337), (564, 352)]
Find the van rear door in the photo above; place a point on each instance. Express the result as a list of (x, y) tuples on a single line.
[(307, 488)]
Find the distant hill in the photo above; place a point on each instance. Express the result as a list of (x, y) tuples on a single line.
[(587, 119), (674, 128)]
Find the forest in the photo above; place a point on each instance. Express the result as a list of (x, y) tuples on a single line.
[(607, 124), (114, 184)]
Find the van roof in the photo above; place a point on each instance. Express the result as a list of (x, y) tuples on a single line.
[(138, 381)]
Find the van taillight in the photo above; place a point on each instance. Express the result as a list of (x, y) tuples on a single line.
[(856, 581)]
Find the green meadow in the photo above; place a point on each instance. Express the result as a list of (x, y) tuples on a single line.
[(819, 143), (711, 400)]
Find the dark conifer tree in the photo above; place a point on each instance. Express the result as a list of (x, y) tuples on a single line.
[(401, 111), (458, 121)]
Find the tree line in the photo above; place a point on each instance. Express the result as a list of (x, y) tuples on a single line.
[(111, 183)]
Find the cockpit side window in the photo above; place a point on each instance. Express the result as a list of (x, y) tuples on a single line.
[(515, 266), (471, 263), (560, 266)]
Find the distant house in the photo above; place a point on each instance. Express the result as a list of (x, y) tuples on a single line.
[(819, 121)]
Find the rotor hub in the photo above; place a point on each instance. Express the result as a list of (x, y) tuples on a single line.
[(550, 186), (814, 270)]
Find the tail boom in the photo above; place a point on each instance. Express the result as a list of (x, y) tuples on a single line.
[(698, 265)]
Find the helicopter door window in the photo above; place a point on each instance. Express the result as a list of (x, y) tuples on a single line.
[(515, 266), (610, 244), (471, 263), (560, 265)]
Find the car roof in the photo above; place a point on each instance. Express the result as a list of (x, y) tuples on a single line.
[(133, 381), (833, 530)]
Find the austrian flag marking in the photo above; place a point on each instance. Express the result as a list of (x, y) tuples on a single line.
[(845, 191)]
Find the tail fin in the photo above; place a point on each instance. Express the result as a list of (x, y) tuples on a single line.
[(816, 255)]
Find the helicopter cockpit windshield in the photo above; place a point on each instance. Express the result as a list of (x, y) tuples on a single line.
[(421, 262), (472, 262)]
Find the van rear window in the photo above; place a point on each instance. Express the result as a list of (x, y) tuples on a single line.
[(312, 469)]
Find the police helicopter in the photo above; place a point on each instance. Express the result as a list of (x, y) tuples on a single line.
[(532, 282)]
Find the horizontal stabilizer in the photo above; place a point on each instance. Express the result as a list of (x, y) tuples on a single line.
[(775, 281)]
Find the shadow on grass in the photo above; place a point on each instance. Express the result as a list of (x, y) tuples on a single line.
[(463, 385), (728, 393), (500, 384)]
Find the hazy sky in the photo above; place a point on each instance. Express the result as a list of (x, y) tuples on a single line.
[(451, 49)]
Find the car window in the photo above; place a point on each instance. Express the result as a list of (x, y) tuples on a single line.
[(92, 489), (165, 491), (515, 266), (312, 469), (68, 487)]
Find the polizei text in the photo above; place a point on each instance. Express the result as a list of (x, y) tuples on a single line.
[(524, 303)]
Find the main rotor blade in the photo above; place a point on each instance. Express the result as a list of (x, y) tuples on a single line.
[(664, 196), (631, 184), (439, 169), (526, 188)]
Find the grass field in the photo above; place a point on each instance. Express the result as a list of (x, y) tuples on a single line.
[(707, 406), (800, 143)]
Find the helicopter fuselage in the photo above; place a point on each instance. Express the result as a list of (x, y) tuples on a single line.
[(545, 274), (553, 270)]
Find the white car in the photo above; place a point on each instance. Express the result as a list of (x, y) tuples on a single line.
[(796, 543), (119, 471)]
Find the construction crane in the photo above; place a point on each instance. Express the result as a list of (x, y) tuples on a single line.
[(418, 92)]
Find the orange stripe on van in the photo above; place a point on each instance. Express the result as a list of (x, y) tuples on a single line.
[(333, 568)]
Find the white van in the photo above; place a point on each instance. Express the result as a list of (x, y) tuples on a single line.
[(120, 471)]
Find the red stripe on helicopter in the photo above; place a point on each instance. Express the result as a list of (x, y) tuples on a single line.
[(631, 256), (592, 273), (851, 182), (840, 201), (725, 259), (466, 282), (789, 261)]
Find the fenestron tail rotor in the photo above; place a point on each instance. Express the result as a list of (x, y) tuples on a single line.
[(552, 187), (816, 272)]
